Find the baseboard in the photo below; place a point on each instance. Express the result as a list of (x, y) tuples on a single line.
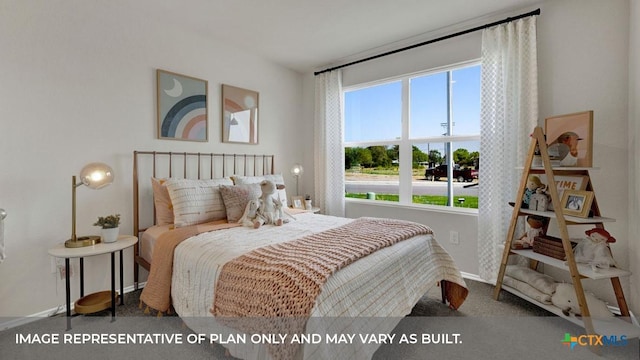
[(474, 277), (51, 312)]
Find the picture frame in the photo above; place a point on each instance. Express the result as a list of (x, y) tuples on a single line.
[(181, 107), (566, 182), (577, 203), (297, 202), (239, 115), (570, 139)]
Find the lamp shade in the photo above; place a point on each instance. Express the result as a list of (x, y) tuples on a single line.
[(297, 170), (96, 175)]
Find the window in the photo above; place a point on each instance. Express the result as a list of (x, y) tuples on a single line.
[(401, 133)]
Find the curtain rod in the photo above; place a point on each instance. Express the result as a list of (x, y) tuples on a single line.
[(464, 32)]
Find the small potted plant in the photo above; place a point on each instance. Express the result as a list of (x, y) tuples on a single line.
[(110, 227)]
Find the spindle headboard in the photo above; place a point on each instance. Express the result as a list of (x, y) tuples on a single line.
[(185, 165)]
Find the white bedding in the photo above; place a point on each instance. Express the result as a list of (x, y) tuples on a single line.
[(385, 284)]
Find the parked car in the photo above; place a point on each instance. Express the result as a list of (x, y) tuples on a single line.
[(459, 174)]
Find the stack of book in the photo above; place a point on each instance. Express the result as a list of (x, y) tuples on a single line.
[(550, 246)]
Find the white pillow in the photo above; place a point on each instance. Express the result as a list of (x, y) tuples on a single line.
[(543, 283), (275, 178), (197, 201), (527, 289)]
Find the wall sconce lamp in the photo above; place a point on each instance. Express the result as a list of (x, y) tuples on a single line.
[(95, 176), (297, 170)]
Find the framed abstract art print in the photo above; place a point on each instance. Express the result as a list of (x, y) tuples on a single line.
[(182, 107)]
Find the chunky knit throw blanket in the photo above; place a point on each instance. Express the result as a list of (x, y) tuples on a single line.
[(283, 280)]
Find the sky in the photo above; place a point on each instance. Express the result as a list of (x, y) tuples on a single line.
[(375, 113)]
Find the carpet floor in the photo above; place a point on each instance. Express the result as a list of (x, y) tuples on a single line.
[(481, 329)]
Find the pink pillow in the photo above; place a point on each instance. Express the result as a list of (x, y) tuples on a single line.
[(236, 198), (162, 202)]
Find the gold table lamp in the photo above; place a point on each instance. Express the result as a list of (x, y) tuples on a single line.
[(297, 170), (95, 176)]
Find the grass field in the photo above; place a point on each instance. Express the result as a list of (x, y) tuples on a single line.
[(392, 174), (469, 201)]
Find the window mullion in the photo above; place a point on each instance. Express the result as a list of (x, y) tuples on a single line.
[(406, 156), (448, 145)]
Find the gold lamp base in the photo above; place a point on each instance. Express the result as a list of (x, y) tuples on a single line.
[(82, 241)]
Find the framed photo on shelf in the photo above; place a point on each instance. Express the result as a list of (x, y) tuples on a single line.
[(297, 202), (570, 139), (576, 203)]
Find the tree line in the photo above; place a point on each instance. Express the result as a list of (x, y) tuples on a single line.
[(387, 157)]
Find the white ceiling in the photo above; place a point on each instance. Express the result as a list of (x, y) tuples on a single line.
[(306, 35)]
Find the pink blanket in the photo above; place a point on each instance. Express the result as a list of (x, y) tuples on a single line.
[(157, 292)]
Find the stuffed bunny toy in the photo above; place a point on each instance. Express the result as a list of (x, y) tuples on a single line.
[(264, 210), (250, 213)]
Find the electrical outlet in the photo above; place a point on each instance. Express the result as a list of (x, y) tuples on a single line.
[(453, 237), (62, 271)]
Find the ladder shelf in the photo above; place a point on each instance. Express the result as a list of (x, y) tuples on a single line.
[(577, 271)]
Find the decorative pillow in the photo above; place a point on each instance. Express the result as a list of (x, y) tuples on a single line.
[(197, 201), (276, 178), (162, 202), (527, 289), (543, 283), (236, 198)]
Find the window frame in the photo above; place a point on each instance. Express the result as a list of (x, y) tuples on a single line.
[(405, 143)]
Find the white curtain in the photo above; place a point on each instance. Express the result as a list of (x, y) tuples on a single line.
[(509, 113), (328, 149)]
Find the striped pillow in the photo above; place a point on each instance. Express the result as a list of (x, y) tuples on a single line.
[(197, 201)]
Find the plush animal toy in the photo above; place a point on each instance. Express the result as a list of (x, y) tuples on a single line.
[(250, 213), (264, 210), (269, 210), (594, 249), (565, 298)]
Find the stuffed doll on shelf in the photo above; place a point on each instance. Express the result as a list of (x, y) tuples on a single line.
[(533, 194), (535, 227), (594, 250)]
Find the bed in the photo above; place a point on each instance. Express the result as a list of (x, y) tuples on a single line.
[(191, 263)]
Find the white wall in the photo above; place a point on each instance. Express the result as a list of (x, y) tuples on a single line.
[(583, 54), (634, 148), (78, 85)]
